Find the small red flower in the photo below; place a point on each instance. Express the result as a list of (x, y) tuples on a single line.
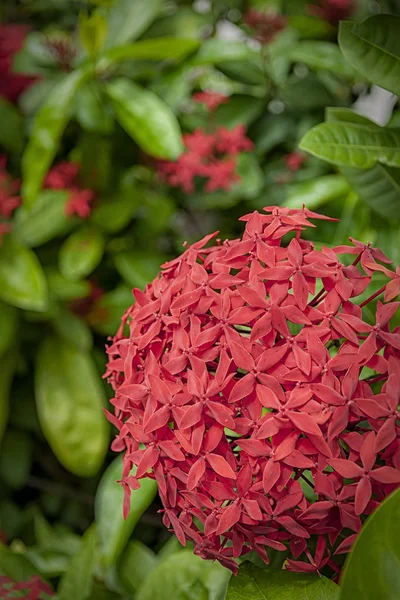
[(265, 26), (12, 85), (333, 10), (294, 161), (32, 589), (211, 100), (65, 176), (247, 372)]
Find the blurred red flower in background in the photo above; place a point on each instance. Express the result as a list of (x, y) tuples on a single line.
[(211, 100), (9, 198), (295, 160), (333, 10), (249, 372), (32, 589), (65, 175), (265, 26), (12, 39)]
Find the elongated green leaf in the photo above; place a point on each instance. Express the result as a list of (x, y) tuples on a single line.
[(135, 564), (22, 281), (146, 118), (215, 51), (11, 137), (73, 330), (45, 220), (253, 583), (353, 145), (48, 126), (321, 55), (81, 253), (113, 530), (372, 568), (373, 49), (346, 115), (379, 187), (8, 326), (316, 192), (77, 582), (16, 566), (69, 400), (6, 375), (153, 49), (137, 268), (184, 576), (127, 20), (91, 110)]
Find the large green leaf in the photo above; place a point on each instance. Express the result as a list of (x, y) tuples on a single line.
[(47, 128), (353, 144), (8, 326), (184, 576), (216, 50), (81, 253), (45, 220), (135, 564), (316, 192), (321, 55), (153, 49), (253, 583), (22, 281), (113, 530), (146, 118), (77, 582), (11, 135), (90, 109), (346, 115), (138, 268), (127, 20), (373, 48), (6, 375), (69, 400), (372, 569)]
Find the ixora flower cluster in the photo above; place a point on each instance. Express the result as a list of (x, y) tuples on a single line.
[(210, 156), (32, 589), (251, 388), (65, 175)]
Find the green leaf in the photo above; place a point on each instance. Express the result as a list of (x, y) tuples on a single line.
[(137, 268), (253, 583), (46, 562), (63, 289), (47, 128), (8, 326), (22, 281), (73, 330), (81, 253), (15, 458), (135, 564), (146, 118), (44, 221), (317, 192), (11, 130), (308, 26), (306, 94), (272, 130), (77, 582), (321, 55), (215, 50), (353, 145), (69, 399), (127, 20), (371, 570), (184, 576), (91, 110), (240, 110), (153, 49), (92, 32), (373, 49), (106, 318), (16, 566), (113, 530), (95, 156), (6, 376), (116, 212), (346, 115)]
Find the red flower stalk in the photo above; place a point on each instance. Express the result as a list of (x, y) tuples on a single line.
[(265, 26), (333, 10), (246, 374), (12, 85), (65, 176), (209, 156), (32, 589), (211, 100)]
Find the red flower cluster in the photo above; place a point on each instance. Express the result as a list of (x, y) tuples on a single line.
[(250, 371), (65, 176), (294, 161), (211, 156), (9, 198), (12, 39), (32, 589), (266, 26), (333, 10), (211, 100)]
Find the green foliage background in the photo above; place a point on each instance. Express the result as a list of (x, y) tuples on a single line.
[(125, 101)]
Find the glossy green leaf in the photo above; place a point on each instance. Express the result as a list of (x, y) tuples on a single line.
[(22, 281), (316, 192), (73, 330), (321, 55), (8, 362), (15, 458), (138, 268), (373, 49), (216, 50), (91, 110), (81, 253), (8, 326), (346, 115), (69, 399), (11, 130), (372, 568), (127, 20), (153, 49), (253, 583), (47, 128), (77, 582), (16, 566), (135, 564), (45, 220), (113, 530), (353, 144), (184, 576), (146, 118)]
